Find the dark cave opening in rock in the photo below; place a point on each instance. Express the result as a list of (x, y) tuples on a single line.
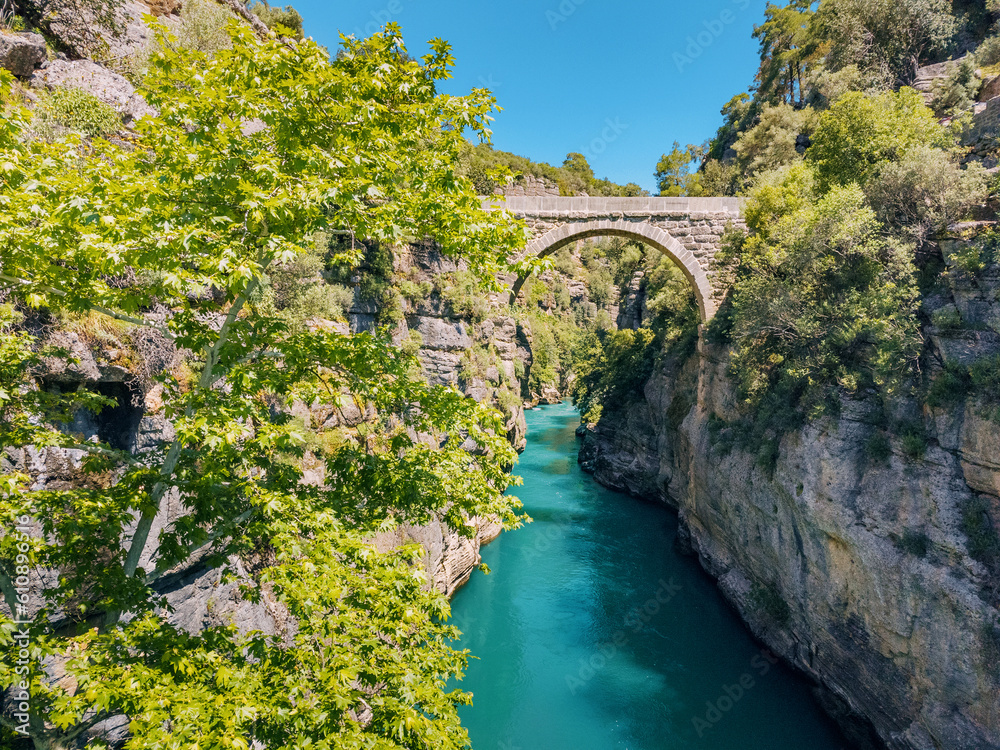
[(118, 425)]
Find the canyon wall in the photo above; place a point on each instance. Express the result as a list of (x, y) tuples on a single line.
[(869, 565)]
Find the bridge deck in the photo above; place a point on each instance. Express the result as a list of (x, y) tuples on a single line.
[(598, 206)]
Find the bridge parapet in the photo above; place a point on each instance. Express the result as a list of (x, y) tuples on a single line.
[(599, 207), (689, 230)]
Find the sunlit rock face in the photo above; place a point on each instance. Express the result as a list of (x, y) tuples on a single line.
[(104, 31), (109, 87), (21, 53)]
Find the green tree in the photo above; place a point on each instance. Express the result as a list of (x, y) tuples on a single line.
[(612, 368), (673, 172), (281, 18), (738, 114), (957, 93), (720, 179), (886, 39), (364, 146), (545, 364), (773, 142), (924, 192), (605, 186), (203, 26), (861, 132), (821, 299), (788, 47), (577, 164)]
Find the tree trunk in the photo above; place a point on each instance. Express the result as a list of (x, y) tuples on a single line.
[(247, 15)]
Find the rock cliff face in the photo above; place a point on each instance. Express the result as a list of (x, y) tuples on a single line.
[(93, 29), (859, 568), (446, 340), (445, 350), (451, 559)]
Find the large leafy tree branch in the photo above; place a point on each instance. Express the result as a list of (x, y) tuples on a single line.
[(253, 153)]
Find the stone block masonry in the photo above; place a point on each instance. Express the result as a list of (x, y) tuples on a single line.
[(689, 230)]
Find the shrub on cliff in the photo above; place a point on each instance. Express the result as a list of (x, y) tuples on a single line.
[(77, 110), (203, 26), (983, 537), (957, 93), (823, 288), (297, 291), (283, 19), (773, 142), (554, 338), (984, 378), (465, 295), (860, 133), (821, 298), (925, 191), (361, 143)]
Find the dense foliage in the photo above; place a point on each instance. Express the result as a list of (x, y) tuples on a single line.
[(490, 169), (557, 319), (613, 365), (205, 215), (860, 133), (849, 179), (283, 19), (821, 298), (824, 288), (673, 172), (78, 110)]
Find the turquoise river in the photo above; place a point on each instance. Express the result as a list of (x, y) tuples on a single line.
[(593, 633)]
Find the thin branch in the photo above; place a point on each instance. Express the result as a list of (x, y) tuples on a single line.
[(96, 308), (252, 356), (195, 549), (145, 524), (247, 15), (107, 452)]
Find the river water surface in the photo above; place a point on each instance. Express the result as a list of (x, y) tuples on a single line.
[(592, 633)]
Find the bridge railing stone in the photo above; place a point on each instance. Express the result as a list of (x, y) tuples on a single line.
[(584, 206)]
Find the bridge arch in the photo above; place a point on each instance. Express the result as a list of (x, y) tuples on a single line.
[(649, 234)]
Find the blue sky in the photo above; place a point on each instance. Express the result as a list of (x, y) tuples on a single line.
[(618, 81)]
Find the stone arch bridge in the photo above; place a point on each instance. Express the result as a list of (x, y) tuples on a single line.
[(688, 230)]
